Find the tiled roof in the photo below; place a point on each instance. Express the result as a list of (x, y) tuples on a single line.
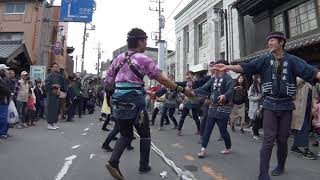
[(8, 47)]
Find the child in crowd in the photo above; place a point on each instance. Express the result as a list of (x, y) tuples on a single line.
[(31, 108)]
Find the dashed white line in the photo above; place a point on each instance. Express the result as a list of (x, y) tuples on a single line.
[(92, 155), (74, 147), (84, 134), (65, 167), (86, 129)]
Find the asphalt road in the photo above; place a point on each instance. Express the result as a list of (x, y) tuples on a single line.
[(74, 153)]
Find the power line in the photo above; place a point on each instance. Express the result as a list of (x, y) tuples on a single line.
[(175, 9)]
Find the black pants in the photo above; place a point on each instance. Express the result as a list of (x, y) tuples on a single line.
[(31, 116), (154, 115), (84, 105), (276, 126), (78, 104), (195, 117), (40, 108), (106, 122), (126, 132), (164, 116), (113, 134), (204, 117), (256, 125)]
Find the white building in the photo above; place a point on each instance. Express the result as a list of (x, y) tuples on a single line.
[(201, 36)]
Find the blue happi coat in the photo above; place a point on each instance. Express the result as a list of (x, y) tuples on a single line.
[(214, 88), (280, 88)]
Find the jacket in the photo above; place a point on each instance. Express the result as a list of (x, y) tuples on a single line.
[(22, 90), (214, 88), (284, 89)]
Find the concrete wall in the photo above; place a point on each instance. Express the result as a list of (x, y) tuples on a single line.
[(189, 19)]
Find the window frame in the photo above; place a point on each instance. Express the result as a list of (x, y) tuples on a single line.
[(15, 4), (200, 34), (284, 26), (187, 41), (222, 25), (300, 24)]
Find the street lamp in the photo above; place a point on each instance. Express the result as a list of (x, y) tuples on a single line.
[(224, 15), (92, 28)]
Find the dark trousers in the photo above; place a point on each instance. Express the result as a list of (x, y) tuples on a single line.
[(106, 122), (154, 115), (70, 111), (276, 126), (78, 104), (22, 111), (222, 124), (84, 104), (204, 117), (301, 138), (4, 126), (256, 125), (195, 117), (164, 116), (40, 108), (113, 134), (126, 132), (31, 116)]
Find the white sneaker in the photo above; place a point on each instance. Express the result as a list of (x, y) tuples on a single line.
[(256, 137), (55, 125), (50, 127), (226, 151)]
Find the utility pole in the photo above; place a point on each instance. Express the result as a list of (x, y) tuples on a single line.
[(99, 57), (162, 44), (40, 33), (83, 46), (76, 64), (93, 27), (47, 44)]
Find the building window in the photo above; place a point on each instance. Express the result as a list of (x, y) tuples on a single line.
[(173, 70), (187, 41), (222, 55), (221, 24), (203, 34), (302, 18), (16, 8), (278, 24)]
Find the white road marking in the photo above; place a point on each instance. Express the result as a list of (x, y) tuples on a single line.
[(65, 167), (62, 132), (91, 156), (71, 158), (184, 175), (74, 147), (86, 129), (84, 134)]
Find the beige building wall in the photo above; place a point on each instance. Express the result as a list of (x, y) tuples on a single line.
[(25, 23)]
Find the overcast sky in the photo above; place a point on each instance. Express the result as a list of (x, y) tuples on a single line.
[(113, 19)]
